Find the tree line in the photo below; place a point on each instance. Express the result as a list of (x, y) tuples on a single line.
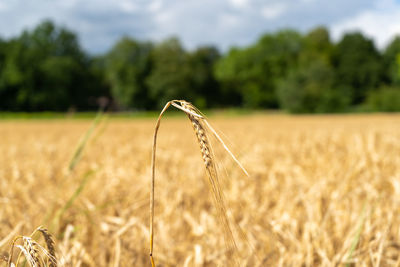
[(46, 69)]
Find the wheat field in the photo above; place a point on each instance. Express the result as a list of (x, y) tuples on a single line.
[(321, 191)]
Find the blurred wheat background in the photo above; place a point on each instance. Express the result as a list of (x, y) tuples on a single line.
[(322, 191)]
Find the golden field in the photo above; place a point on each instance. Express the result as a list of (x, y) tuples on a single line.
[(322, 190)]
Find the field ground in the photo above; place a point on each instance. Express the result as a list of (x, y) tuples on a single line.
[(322, 191)]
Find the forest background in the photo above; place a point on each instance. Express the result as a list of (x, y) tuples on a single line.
[(46, 69)]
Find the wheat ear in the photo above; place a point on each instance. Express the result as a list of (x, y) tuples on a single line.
[(32, 248), (29, 250), (48, 238), (198, 122)]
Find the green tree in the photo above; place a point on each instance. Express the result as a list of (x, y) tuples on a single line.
[(228, 71), (127, 66), (3, 52), (309, 85), (317, 46), (385, 99), (45, 69), (358, 66), (6, 94), (252, 74), (398, 68), (203, 85), (392, 62), (169, 77), (310, 89)]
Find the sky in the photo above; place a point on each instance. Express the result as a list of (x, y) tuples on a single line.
[(223, 23)]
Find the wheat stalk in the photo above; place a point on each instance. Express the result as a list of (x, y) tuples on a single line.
[(206, 151), (200, 126), (32, 250), (29, 250)]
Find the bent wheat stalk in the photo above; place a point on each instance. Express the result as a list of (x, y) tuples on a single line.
[(200, 126), (34, 253)]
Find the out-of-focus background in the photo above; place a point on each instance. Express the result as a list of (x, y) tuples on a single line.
[(298, 56), (81, 86)]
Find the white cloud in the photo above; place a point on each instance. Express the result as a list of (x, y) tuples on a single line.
[(99, 23), (155, 5), (273, 11), (129, 6), (381, 24), (239, 3)]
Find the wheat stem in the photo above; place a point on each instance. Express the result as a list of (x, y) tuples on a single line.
[(197, 120)]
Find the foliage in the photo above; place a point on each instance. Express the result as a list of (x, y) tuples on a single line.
[(169, 77), (127, 66), (317, 46), (385, 99), (358, 66), (392, 61), (252, 73), (309, 89), (45, 69), (203, 84)]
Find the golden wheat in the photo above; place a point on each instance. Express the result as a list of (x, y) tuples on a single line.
[(34, 253), (322, 191), (200, 125), (52, 258), (32, 249)]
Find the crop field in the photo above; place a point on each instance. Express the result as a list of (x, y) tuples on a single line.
[(321, 191)]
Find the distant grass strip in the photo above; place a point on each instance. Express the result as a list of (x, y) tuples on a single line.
[(74, 116), (49, 115), (46, 115)]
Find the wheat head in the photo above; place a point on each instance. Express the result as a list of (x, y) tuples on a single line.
[(48, 238), (201, 127)]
